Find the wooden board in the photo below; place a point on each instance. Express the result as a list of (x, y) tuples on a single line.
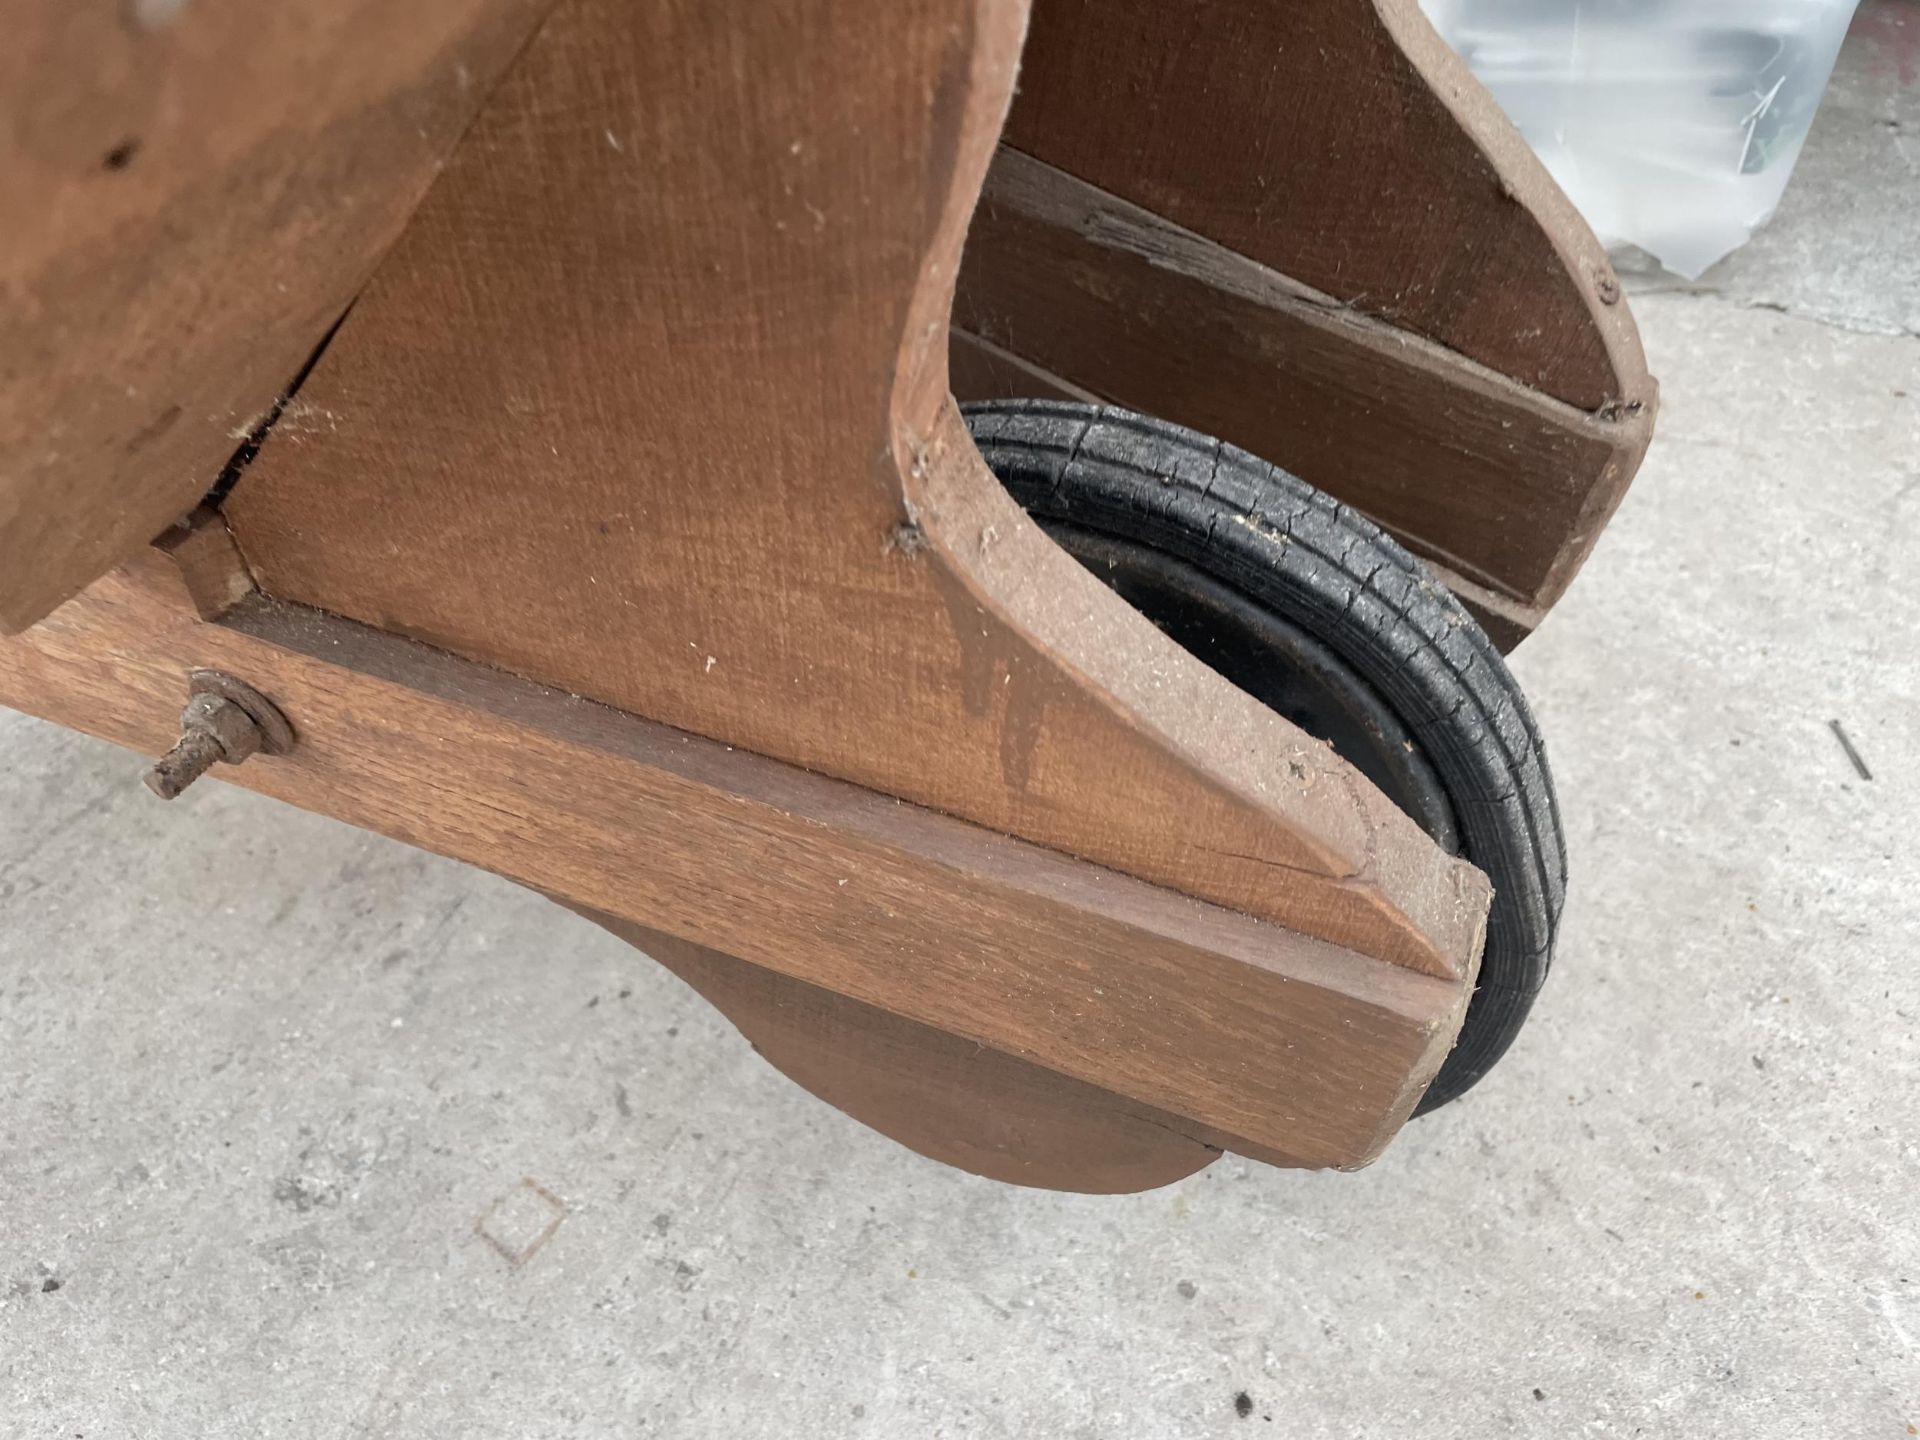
[(193, 193), (980, 370), (650, 403), (1266, 1042), (1341, 143), (1496, 483)]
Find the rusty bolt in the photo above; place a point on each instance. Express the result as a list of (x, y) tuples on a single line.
[(1608, 284), (226, 720)]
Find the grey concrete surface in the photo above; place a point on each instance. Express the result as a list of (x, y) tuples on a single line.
[(281, 1103)]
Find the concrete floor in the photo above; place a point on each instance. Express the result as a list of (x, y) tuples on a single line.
[(264, 1080)]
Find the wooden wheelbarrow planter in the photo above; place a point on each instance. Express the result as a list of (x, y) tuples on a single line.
[(622, 536)]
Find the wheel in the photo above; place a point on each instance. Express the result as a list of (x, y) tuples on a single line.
[(1310, 608)]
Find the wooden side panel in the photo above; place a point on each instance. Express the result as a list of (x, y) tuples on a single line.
[(1284, 1047), (1340, 143), (1497, 483), (193, 193), (650, 402)]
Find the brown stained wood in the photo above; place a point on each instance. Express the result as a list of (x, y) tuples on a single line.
[(1341, 143), (209, 562), (193, 193), (1500, 485), (980, 370), (650, 403), (983, 371), (1275, 1044), (982, 1110)]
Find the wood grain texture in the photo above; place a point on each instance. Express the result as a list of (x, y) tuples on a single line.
[(963, 1104), (983, 371), (980, 370), (1341, 143), (1276, 1044), (1497, 483), (193, 195), (650, 403), (209, 562)]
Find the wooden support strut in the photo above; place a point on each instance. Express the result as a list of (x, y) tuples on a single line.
[(1088, 1002)]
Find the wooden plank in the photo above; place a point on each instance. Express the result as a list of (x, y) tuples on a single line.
[(193, 195), (1339, 142), (650, 403), (980, 370), (1502, 486), (962, 1104), (1283, 1046)]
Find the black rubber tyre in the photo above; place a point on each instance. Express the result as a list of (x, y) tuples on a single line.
[(1329, 619)]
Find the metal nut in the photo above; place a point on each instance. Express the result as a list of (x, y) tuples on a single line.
[(226, 720)]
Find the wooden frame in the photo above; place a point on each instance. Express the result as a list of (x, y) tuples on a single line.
[(624, 539)]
